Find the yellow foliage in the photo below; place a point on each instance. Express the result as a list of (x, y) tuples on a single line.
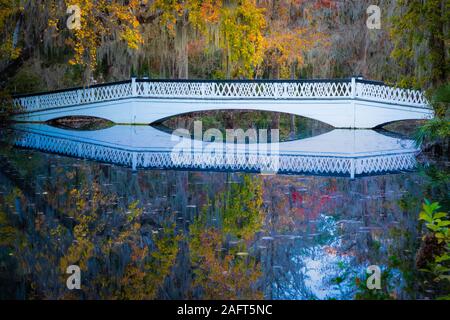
[(8, 10), (100, 20), (220, 273)]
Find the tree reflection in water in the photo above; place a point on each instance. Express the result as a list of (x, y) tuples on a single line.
[(180, 234)]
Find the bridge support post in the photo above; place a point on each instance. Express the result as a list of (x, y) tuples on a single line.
[(353, 93), (133, 87), (353, 96)]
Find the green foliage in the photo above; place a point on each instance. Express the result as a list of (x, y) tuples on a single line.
[(433, 130), (419, 36), (435, 221), (438, 224), (26, 80), (442, 94), (441, 100)]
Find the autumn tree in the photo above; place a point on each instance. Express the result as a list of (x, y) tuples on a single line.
[(420, 35), (8, 11), (243, 41), (290, 36), (103, 21), (234, 28)]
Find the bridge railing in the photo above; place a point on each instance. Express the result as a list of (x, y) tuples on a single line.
[(77, 96), (245, 90), (248, 89), (386, 94)]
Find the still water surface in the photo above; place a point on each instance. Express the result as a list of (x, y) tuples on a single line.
[(207, 232)]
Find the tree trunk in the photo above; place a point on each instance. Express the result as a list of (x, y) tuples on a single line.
[(439, 68), (181, 45), (275, 124)]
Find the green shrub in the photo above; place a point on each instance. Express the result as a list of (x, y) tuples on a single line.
[(433, 130)]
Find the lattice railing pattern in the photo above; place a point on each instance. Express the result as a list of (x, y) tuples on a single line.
[(244, 90), (385, 163), (235, 161), (224, 90), (74, 97), (386, 94)]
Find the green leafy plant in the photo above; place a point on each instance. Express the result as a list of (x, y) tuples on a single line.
[(436, 221), (440, 100), (433, 130)]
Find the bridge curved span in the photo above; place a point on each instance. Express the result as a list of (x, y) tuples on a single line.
[(345, 103)]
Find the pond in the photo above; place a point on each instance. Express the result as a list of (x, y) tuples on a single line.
[(143, 224)]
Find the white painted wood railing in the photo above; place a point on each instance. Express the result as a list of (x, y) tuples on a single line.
[(221, 90)]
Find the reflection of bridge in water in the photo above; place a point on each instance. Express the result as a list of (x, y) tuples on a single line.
[(342, 103), (338, 152)]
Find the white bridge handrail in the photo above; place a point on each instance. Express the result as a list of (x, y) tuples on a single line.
[(293, 90)]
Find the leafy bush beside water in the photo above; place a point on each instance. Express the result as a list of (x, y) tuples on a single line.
[(433, 130), (434, 254)]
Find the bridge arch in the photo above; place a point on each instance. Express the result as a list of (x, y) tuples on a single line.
[(342, 103), (399, 122), (237, 111)]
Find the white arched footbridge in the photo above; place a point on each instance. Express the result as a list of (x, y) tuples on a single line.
[(342, 103)]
